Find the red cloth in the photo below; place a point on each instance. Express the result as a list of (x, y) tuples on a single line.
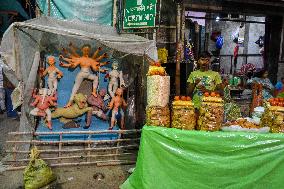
[(236, 51), (247, 67), (107, 75)]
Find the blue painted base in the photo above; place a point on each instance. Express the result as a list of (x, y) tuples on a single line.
[(65, 86), (97, 125)]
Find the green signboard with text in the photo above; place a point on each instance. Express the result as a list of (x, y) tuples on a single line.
[(139, 14)]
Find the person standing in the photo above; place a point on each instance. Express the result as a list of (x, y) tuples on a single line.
[(261, 77), (203, 80)]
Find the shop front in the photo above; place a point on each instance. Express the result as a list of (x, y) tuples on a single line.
[(222, 125)]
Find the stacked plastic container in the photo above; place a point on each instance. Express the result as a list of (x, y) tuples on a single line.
[(158, 94)]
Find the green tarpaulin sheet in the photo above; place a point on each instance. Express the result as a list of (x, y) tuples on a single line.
[(170, 158)]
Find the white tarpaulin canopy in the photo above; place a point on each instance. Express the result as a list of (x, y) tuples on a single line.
[(36, 30), (23, 43)]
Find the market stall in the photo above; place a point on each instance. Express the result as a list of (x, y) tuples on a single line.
[(173, 158), (211, 144), (76, 83)]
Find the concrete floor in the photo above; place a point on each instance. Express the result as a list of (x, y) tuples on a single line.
[(73, 178), (6, 125), (67, 177)]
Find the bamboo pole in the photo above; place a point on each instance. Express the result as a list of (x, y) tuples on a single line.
[(89, 152), (68, 32), (72, 157), (117, 145), (77, 132), (76, 164), (113, 163), (177, 76), (60, 146), (72, 141), (14, 152), (48, 8), (75, 150), (182, 32), (114, 13)]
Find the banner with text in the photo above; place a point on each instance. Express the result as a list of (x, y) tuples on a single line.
[(139, 14)]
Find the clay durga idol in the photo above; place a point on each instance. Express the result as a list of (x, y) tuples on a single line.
[(53, 74), (42, 102), (77, 109), (87, 65), (117, 105), (116, 79), (99, 107)]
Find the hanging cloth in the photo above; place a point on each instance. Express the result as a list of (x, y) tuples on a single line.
[(241, 37), (236, 51)]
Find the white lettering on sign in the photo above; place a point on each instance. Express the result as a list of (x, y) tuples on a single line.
[(139, 2), (150, 7), (137, 23), (141, 8), (149, 16), (131, 18), (140, 17)]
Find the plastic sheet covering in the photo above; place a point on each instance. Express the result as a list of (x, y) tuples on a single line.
[(17, 96), (37, 174), (158, 90), (172, 158), (131, 119), (211, 116), (98, 11), (158, 116), (183, 115), (232, 111), (24, 41), (273, 119)]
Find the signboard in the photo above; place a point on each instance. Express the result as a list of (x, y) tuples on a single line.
[(139, 14)]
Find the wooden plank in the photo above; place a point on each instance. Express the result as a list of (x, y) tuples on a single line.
[(76, 150), (120, 162), (77, 132), (115, 163), (60, 147), (72, 141), (72, 157)]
